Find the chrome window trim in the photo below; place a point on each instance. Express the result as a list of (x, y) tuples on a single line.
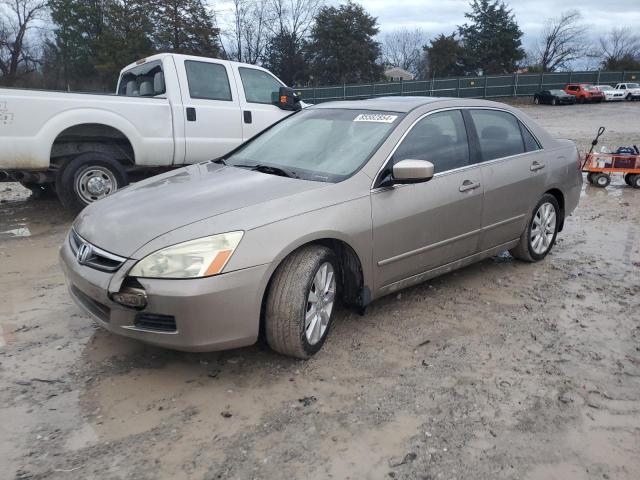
[(373, 188)]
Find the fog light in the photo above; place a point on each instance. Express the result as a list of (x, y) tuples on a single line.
[(131, 297)]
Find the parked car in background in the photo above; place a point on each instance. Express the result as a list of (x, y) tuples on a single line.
[(168, 110), (584, 92), (347, 200), (611, 94), (554, 97), (632, 90)]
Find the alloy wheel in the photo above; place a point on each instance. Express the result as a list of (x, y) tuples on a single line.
[(543, 228), (320, 303)]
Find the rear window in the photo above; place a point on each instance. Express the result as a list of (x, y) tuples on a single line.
[(146, 80), (207, 81)]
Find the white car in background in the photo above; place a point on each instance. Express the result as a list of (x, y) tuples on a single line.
[(631, 90), (611, 94)]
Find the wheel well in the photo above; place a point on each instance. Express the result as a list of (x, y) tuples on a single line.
[(560, 199), (92, 137), (354, 292)]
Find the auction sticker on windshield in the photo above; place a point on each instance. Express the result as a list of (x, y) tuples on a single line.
[(375, 117)]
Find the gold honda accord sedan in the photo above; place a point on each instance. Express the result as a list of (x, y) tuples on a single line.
[(345, 201)]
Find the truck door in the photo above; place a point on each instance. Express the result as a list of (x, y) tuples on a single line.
[(257, 90), (212, 109)]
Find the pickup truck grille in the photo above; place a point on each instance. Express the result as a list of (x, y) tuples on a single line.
[(92, 256)]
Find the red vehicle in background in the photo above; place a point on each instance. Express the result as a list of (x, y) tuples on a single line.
[(584, 92)]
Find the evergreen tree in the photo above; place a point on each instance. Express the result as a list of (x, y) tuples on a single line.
[(444, 56), (185, 26), (285, 57), (492, 41), (342, 47)]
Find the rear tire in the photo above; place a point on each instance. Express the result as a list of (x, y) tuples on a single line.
[(87, 178), (601, 180), (40, 191), (299, 308), (536, 101), (627, 178), (635, 181), (554, 102), (590, 177), (539, 237)]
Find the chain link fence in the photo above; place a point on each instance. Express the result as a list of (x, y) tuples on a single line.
[(516, 85)]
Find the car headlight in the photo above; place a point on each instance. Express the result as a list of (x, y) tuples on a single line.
[(198, 258)]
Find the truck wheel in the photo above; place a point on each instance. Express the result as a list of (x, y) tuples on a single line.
[(299, 307), (87, 178), (538, 238), (629, 97), (590, 177), (601, 180), (627, 178), (635, 181)]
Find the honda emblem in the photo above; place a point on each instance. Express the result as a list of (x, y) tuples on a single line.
[(83, 254)]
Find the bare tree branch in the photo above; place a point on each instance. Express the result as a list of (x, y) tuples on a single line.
[(619, 43), (563, 41), (403, 48), (17, 18)]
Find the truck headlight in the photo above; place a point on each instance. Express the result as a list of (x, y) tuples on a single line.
[(198, 258)]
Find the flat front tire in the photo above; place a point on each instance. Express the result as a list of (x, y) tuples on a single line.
[(539, 237), (300, 303), (87, 178)]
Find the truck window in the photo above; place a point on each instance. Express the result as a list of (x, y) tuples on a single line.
[(146, 80), (208, 81), (259, 86)]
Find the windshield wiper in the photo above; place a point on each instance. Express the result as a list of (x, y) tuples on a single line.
[(270, 170), (220, 161)]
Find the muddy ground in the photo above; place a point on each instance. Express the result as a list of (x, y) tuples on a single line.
[(500, 370)]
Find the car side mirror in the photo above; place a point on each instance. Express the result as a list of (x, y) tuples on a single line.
[(288, 99), (412, 171)]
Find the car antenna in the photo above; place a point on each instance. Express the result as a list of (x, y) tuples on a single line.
[(601, 130)]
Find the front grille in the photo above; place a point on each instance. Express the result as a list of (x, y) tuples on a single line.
[(98, 309), (158, 323), (93, 256)]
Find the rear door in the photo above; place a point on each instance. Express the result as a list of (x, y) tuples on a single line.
[(212, 109), (513, 173), (420, 227), (257, 91)]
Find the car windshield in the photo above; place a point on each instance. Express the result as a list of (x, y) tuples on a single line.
[(605, 87), (556, 92), (322, 144), (590, 88)]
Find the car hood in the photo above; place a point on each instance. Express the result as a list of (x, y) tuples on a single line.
[(133, 216)]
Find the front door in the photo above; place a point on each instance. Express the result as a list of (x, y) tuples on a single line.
[(257, 94), (212, 110), (422, 226)]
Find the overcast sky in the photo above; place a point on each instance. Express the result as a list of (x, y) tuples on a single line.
[(442, 16)]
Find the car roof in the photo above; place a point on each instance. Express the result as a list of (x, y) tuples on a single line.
[(400, 104)]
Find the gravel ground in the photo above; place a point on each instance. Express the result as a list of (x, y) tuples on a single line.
[(501, 370)]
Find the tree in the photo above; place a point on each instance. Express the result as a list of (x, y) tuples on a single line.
[(619, 49), (17, 56), (562, 42), (492, 41), (403, 48), (444, 57), (249, 33), (285, 56), (185, 26), (342, 45)]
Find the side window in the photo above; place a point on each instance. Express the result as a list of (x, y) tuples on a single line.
[(208, 81), (440, 138), (530, 142), (259, 86), (498, 132), (622, 87), (146, 80)]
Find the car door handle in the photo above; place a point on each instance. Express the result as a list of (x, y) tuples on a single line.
[(535, 166), (191, 114), (248, 118), (469, 185)]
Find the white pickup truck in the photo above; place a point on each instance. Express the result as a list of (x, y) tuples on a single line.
[(631, 90), (168, 110)]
